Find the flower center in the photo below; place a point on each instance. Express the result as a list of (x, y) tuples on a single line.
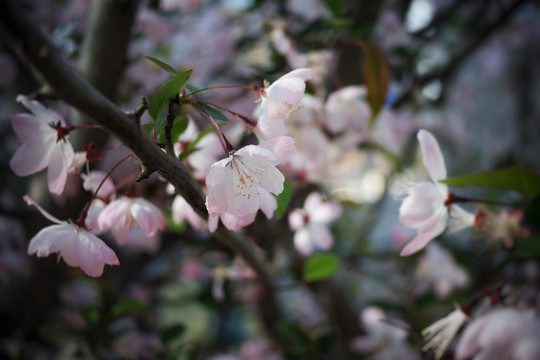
[(62, 131)]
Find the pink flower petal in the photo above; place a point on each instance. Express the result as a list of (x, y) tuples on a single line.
[(29, 159), (422, 201), (433, 227), (51, 239), (60, 161), (268, 203), (97, 248), (30, 130), (432, 156), (281, 146)]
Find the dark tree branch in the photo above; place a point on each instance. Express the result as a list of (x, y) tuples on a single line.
[(446, 70)]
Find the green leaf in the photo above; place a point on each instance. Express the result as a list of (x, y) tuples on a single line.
[(217, 115), (192, 87), (320, 267), (166, 92), (335, 6), (128, 306), (147, 128), (376, 77), (180, 124), (91, 315), (519, 180), (168, 68), (171, 332), (284, 199), (529, 246)]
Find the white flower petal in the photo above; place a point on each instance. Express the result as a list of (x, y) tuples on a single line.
[(432, 156), (433, 227)]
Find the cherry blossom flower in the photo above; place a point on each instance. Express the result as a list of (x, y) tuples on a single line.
[(45, 144), (78, 247), (439, 334), (279, 100), (310, 224), (241, 184), (127, 216), (505, 333), (181, 210), (438, 269), (427, 206), (347, 109), (382, 339)]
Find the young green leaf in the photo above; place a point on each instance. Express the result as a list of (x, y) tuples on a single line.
[(180, 125), (128, 306), (166, 92), (320, 267), (168, 68), (217, 115), (519, 180), (284, 199)]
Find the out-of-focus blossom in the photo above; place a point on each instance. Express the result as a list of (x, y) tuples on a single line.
[(504, 333), (437, 268), (504, 228), (260, 349), (382, 340), (425, 208), (45, 144), (439, 334), (132, 221), (92, 181), (153, 25), (181, 210), (311, 224), (279, 100), (347, 110), (79, 293), (76, 246), (241, 184), (130, 342), (235, 272)]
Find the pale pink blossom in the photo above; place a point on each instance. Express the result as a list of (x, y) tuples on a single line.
[(348, 110), (181, 211), (425, 208), (132, 221), (383, 340), (92, 181), (310, 224), (279, 100), (438, 269), (241, 184), (76, 246), (504, 333), (45, 144)]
